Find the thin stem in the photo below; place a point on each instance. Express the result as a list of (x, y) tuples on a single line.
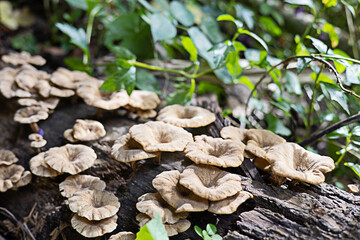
[(155, 68), (343, 154), (336, 57), (89, 29), (355, 154), (352, 32)]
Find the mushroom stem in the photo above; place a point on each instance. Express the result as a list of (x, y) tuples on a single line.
[(157, 159), (134, 166), (34, 127), (99, 113)]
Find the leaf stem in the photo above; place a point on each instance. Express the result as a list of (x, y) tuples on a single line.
[(343, 154)]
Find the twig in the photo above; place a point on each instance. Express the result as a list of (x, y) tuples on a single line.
[(9, 214)]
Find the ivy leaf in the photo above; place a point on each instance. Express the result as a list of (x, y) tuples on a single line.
[(246, 14), (233, 65), (211, 28), (355, 167), (319, 45), (329, 29), (123, 79), (275, 125), (77, 36), (161, 27), (146, 81), (333, 92), (308, 3), (302, 63), (270, 25), (352, 74), (341, 64), (181, 13), (198, 230), (256, 37), (189, 47), (123, 53), (228, 17), (153, 230), (292, 84), (329, 3)]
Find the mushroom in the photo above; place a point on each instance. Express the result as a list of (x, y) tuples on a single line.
[(91, 229), (49, 103), (70, 158), (94, 204), (65, 78), (210, 182), (8, 86), (146, 113), (215, 151), (230, 204), (353, 188), (177, 196), (123, 236), (39, 167), (290, 160), (27, 79), (43, 87), (23, 58), (77, 183), (31, 115), (7, 157), (64, 93), (152, 204), (68, 135), (25, 179), (9, 176), (143, 100), (188, 116), (37, 141), (88, 130)]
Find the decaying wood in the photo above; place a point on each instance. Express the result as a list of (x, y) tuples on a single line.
[(302, 211)]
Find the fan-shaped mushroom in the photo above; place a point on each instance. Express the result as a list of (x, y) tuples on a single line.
[(123, 236), (7, 157), (88, 130), (39, 167), (9, 176), (230, 204), (31, 115), (144, 100), (65, 78), (91, 229), (77, 183), (23, 58)]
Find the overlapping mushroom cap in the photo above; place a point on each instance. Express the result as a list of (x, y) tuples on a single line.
[(65, 78), (230, 204), (9, 176), (23, 58), (77, 183), (49, 103), (39, 167), (215, 151), (123, 236), (8, 86), (188, 116), (293, 161), (29, 115), (91, 229), (159, 136), (88, 130), (7, 157), (144, 100)]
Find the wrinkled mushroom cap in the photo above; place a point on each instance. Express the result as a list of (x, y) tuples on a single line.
[(25, 179), (70, 158), (210, 182), (126, 149), (68, 134), (43, 87), (64, 93), (189, 116), (233, 133), (76, 183), (214, 151), (39, 167), (91, 229), (159, 136), (23, 58), (88, 130), (292, 161), (7, 157), (123, 236), (8, 86), (29, 115), (49, 103), (152, 204), (35, 137), (230, 204), (144, 100), (146, 113), (94, 204), (65, 78), (177, 196), (9, 175)]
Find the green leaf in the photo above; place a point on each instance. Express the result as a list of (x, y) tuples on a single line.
[(239, 46), (206, 87), (228, 17), (77, 64), (161, 27), (198, 230), (275, 74), (339, 133), (256, 37), (123, 79), (216, 237), (211, 229), (329, 3), (352, 74), (322, 78), (77, 36), (189, 47), (292, 84), (319, 45), (333, 92), (146, 81), (275, 125), (25, 42), (270, 25), (302, 63), (181, 13), (329, 29), (308, 3), (82, 4), (233, 65), (211, 28), (220, 52), (183, 96), (283, 105), (246, 14), (355, 167), (153, 230), (341, 65), (356, 131), (247, 82), (123, 53)]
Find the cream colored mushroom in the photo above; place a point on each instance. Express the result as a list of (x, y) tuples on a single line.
[(146, 113), (77, 183), (7, 157), (43, 87), (290, 160), (188, 116), (39, 167), (94, 205), (49, 103), (88, 130), (9, 176), (353, 188), (31, 115), (144, 100), (27, 79), (177, 196), (37, 141), (230, 204), (70, 158), (65, 78), (8, 86), (23, 58), (91, 229), (215, 151), (68, 134), (152, 204), (25, 179), (64, 93), (123, 236)]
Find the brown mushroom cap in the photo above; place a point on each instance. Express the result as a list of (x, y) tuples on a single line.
[(65, 78), (126, 149), (91, 229), (70, 158), (152, 204), (188, 116), (177, 196), (94, 204), (23, 58), (29, 115), (230, 204), (215, 151), (292, 161), (27, 79), (7, 157), (210, 182), (233, 133), (76, 183), (9, 175), (123, 236), (39, 167), (144, 100), (88, 130), (159, 136)]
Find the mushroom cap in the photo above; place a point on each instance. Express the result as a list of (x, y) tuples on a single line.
[(353, 188), (38, 144), (233, 133), (43, 87), (215, 151), (159, 136), (35, 137), (39, 167), (7, 157), (9, 175), (70, 158), (230, 204), (123, 236), (76, 183), (68, 134), (152, 204), (177, 196), (144, 100), (49, 103), (186, 116), (210, 182), (9, 88), (88, 130), (292, 161), (25, 179), (146, 113), (27, 78), (94, 204), (23, 58), (58, 92), (65, 78), (126, 149), (91, 229), (29, 115)]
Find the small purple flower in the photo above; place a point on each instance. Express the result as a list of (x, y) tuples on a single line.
[(299, 10), (41, 132)]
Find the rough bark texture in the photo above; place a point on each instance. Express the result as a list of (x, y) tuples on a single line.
[(301, 211)]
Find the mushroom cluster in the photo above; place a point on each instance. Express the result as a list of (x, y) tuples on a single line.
[(85, 130), (37, 141), (143, 103), (12, 176)]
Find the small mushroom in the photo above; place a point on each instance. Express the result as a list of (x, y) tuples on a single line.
[(8, 86), (39, 167), (214, 151), (70, 158), (7, 157), (23, 58), (9, 176), (65, 78), (91, 229), (123, 236), (25, 179), (177, 196), (27, 79), (146, 113), (49, 103), (94, 204), (68, 135), (88, 130), (77, 183), (43, 87), (63, 93), (143, 100), (37, 141), (31, 115), (353, 188), (230, 204), (188, 116)]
